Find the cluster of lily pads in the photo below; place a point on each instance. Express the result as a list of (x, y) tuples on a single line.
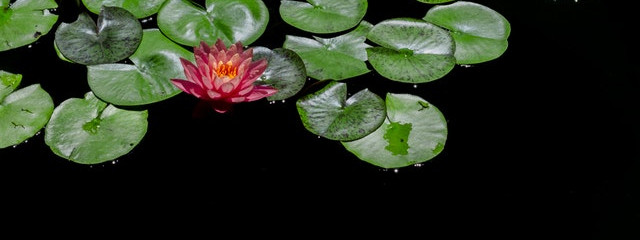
[(131, 66)]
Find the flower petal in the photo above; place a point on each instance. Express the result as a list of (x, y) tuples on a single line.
[(237, 99), (190, 88), (214, 94), (261, 91), (246, 90), (227, 88), (190, 71), (256, 69), (202, 51), (205, 72), (220, 45)]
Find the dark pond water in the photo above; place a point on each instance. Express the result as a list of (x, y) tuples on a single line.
[(544, 138)]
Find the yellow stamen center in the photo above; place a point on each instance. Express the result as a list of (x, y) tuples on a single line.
[(226, 70)]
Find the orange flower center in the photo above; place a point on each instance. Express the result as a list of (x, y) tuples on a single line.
[(226, 70)]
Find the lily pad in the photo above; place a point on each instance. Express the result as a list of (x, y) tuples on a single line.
[(414, 132), (156, 62), (140, 9), (116, 36), (411, 50), (480, 33), (335, 58), (323, 16), (23, 113), (230, 20), (8, 83), (90, 131), (285, 71), (24, 22), (328, 112), (435, 1)]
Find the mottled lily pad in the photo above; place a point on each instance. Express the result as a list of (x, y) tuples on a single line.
[(411, 50), (148, 80), (139, 8), (23, 113), (415, 131), (230, 20), (285, 71), (90, 131), (328, 112), (323, 16), (480, 33), (337, 58), (25, 21), (115, 37)]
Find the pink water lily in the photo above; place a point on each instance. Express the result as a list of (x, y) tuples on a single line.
[(223, 76)]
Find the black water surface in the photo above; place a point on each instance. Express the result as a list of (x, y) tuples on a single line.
[(544, 139)]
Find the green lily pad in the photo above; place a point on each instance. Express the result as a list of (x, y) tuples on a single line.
[(335, 58), (435, 1), (323, 16), (415, 131), (24, 22), (230, 20), (116, 36), (285, 71), (23, 113), (156, 62), (328, 112), (8, 83), (480, 33), (411, 50), (90, 131), (140, 9)]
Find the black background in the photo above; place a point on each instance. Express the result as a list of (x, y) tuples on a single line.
[(542, 141)]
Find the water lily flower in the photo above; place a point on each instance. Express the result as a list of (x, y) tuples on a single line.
[(223, 76)]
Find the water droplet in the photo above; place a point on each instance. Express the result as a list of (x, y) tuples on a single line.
[(272, 102), (384, 170), (415, 85), (308, 79), (38, 133), (30, 46), (396, 170), (418, 165), (114, 161), (466, 65), (26, 141), (319, 137), (14, 146), (53, 10), (282, 100)]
